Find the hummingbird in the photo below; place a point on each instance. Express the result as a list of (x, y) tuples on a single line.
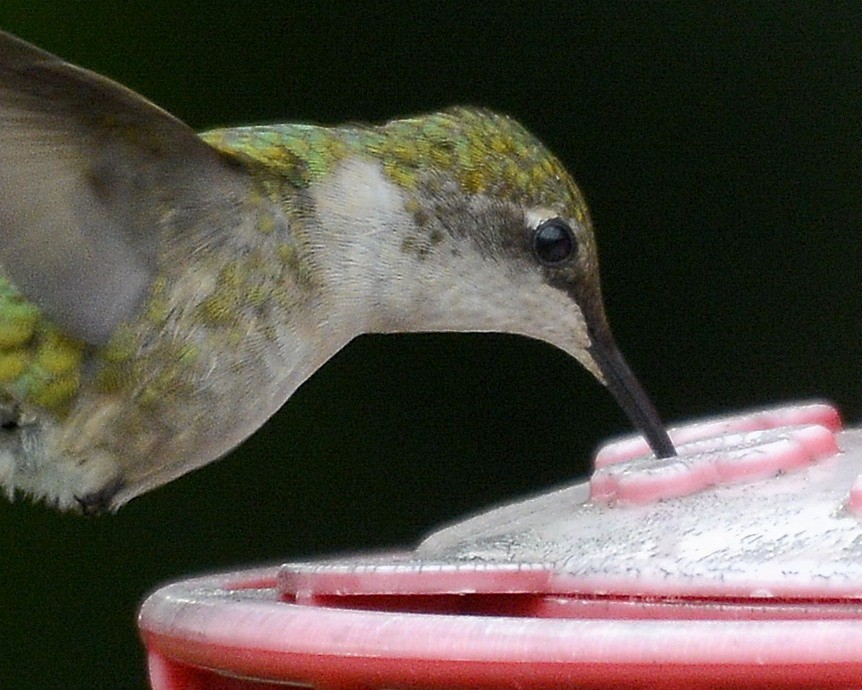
[(164, 292)]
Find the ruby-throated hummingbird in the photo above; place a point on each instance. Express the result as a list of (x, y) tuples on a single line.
[(162, 293)]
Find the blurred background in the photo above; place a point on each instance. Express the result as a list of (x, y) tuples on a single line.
[(719, 147)]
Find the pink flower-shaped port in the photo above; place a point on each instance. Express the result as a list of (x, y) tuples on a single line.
[(720, 451)]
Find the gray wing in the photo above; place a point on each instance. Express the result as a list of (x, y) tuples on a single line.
[(88, 172)]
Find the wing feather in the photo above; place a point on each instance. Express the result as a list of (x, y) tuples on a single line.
[(89, 171)]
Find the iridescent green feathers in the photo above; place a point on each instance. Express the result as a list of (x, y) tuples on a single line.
[(485, 152), (39, 365)]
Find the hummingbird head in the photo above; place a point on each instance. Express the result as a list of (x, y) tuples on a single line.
[(463, 221)]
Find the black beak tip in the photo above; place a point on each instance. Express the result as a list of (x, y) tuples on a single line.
[(659, 440), (632, 398)]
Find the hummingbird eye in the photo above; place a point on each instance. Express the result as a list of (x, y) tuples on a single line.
[(554, 242)]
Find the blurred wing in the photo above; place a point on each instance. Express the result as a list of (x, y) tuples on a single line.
[(88, 171)]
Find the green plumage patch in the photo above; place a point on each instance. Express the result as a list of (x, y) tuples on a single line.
[(38, 364), (484, 152)]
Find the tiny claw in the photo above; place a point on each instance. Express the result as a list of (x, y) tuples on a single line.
[(101, 501)]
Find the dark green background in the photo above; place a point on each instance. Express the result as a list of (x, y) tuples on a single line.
[(719, 146)]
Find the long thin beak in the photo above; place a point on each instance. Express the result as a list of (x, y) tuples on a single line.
[(630, 395)]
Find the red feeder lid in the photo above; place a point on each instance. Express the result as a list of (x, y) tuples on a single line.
[(738, 563)]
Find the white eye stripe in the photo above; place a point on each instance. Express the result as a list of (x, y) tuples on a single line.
[(536, 216)]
